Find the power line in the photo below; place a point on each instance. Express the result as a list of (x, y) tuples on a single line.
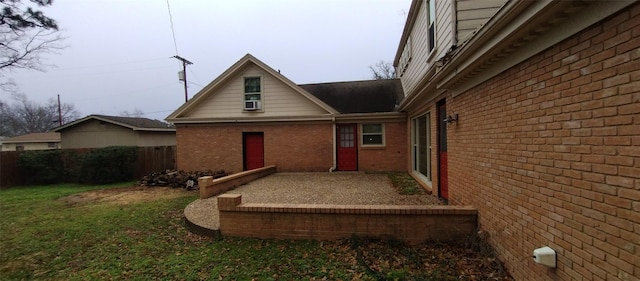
[(185, 62), (194, 74), (129, 93), (111, 64), (173, 32), (193, 83)]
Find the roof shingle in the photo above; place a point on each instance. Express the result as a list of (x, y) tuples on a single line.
[(134, 123), (359, 96), (34, 137)]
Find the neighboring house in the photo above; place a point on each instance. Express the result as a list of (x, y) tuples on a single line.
[(34, 141), (252, 116), (530, 111), (95, 131)]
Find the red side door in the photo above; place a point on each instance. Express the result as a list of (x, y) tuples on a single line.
[(347, 147), (443, 182), (253, 150)]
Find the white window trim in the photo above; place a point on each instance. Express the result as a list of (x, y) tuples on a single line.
[(435, 26), (362, 134), (427, 179), (244, 94)]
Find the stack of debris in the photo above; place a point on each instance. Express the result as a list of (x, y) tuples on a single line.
[(179, 179)]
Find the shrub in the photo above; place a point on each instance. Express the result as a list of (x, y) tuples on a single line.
[(108, 165), (42, 166)]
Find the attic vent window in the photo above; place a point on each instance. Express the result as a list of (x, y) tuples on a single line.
[(252, 93)]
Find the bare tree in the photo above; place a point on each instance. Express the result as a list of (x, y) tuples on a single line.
[(25, 35), (136, 112), (25, 116), (383, 70)]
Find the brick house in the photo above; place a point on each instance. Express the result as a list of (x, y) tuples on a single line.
[(252, 116), (530, 111)]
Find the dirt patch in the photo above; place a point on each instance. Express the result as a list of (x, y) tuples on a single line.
[(126, 195)]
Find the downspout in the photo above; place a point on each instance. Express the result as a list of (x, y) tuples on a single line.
[(333, 168)]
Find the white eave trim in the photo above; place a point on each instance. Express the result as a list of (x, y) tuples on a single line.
[(154, 129), (492, 41), (498, 45), (252, 119), (382, 116)]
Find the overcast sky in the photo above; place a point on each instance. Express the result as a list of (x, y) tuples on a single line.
[(119, 51)]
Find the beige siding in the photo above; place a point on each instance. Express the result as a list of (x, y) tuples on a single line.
[(418, 38), (29, 146), (421, 58), (149, 138), (278, 99), (95, 133), (472, 14)]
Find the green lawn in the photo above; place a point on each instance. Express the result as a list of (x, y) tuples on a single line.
[(43, 238)]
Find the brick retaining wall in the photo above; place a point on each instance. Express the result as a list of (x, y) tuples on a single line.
[(210, 187), (413, 224)]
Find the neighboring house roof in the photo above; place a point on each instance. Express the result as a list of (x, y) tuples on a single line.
[(133, 123), (224, 78), (359, 96), (34, 138)]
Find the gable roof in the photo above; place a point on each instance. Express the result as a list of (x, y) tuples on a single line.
[(369, 96), (34, 137), (133, 123), (232, 71)]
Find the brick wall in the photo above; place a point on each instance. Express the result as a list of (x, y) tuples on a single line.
[(391, 157), (291, 147), (549, 153), (413, 224)]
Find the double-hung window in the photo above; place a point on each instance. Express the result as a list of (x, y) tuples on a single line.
[(431, 12), (372, 135), (253, 93)]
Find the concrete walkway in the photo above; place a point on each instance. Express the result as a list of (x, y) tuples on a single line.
[(352, 188)]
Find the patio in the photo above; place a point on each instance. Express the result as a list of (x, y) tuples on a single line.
[(340, 188)]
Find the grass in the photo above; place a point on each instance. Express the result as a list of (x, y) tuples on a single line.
[(404, 183), (43, 238)]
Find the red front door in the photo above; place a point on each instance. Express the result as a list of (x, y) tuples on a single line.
[(253, 150), (443, 182), (347, 148)]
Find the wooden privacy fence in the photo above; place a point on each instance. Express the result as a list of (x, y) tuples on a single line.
[(155, 159), (149, 159), (10, 174)]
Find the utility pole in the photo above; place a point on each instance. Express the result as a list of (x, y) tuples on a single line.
[(59, 112), (184, 74)]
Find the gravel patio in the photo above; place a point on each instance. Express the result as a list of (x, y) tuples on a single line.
[(352, 188)]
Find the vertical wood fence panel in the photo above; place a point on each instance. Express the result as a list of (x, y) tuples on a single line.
[(155, 159), (10, 174)]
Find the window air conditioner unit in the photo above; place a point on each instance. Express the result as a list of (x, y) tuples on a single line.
[(251, 105)]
